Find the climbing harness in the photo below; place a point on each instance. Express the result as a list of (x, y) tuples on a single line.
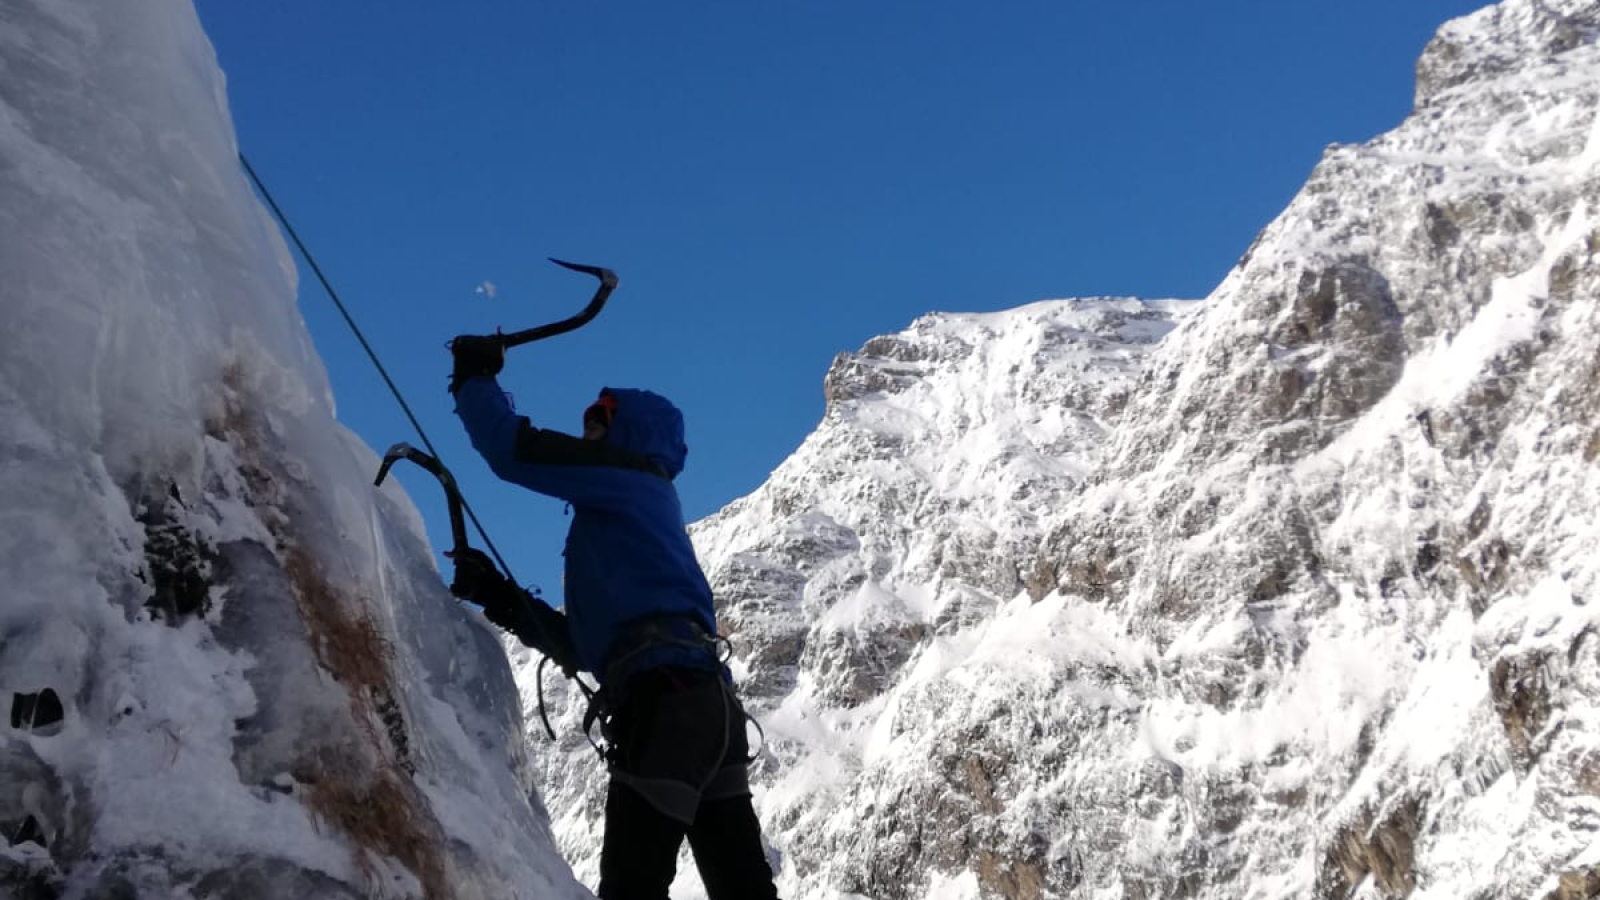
[(638, 690), (653, 634)]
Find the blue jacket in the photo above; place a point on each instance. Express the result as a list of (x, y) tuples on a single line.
[(628, 557)]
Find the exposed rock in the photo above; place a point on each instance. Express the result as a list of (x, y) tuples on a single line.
[(1383, 850)]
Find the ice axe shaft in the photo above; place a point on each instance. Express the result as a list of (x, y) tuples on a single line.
[(608, 283)]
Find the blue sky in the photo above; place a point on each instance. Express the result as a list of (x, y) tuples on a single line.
[(774, 182)]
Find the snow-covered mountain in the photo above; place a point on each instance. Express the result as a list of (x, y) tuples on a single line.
[(1351, 515), (1298, 602), (230, 667), (1287, 594)]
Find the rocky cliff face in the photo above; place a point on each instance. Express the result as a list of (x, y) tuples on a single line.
[(921, 734), (1378, 439), (1294, 601)]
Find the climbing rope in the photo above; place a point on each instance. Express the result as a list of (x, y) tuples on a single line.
[(371, 354)]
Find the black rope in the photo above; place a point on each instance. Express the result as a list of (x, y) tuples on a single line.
[(371, 354)]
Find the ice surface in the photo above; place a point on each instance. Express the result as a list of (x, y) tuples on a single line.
[(267, 690)]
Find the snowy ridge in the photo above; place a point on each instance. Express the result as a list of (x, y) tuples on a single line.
[(230, 667), (943, 451)]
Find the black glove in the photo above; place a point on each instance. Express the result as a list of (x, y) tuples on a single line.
[(510, 607), (479, 581), (476, 355)]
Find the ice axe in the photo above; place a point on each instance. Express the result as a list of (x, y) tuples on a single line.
[(539, 626), (608, 283), (452, 493)]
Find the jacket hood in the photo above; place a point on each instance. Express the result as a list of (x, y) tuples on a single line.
[(648, 424)]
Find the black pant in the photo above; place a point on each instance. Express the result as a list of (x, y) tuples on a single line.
[(661, 712), (640, 855)]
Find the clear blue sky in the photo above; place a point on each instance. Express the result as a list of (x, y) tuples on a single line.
[(774, 182)]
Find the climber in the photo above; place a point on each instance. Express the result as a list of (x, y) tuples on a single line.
[(641, 620)]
